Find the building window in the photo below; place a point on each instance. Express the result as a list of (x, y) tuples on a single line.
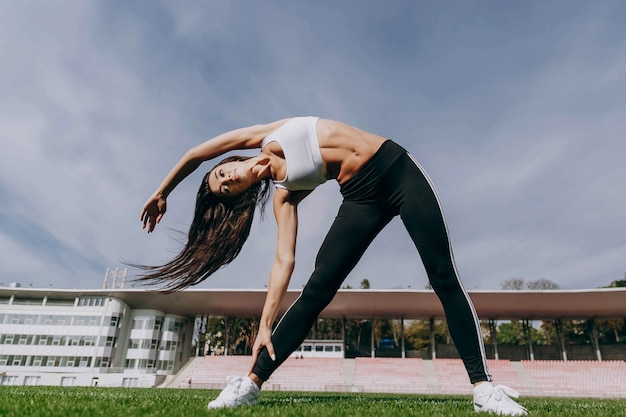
[(109, 341), (130, 382), (114, 321), (68, 381), (8, 380), (31, 380), (138, 323), (102, 362), (91, 302)]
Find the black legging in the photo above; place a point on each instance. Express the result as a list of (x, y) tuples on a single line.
[(390, 183)]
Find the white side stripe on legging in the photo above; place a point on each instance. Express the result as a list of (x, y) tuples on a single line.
[(456, 272)]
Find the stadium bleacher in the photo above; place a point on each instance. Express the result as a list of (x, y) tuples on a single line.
[(308, 374), (579, 378), (594, 379), (390, 375)]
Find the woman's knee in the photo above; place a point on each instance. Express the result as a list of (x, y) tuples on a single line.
[(318, 294), (443, 277)]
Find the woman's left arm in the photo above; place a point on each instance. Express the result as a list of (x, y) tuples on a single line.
[(286, 213)]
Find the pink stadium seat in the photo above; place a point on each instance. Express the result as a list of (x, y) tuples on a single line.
[(307, 374), (390, 375), (579, 378), (452, 376), (395, 375)]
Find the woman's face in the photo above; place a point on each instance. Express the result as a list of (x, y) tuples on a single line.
[(231, 178)]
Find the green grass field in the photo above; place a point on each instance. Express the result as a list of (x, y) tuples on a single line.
[(21, 401)]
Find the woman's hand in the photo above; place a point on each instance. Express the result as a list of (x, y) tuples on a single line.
[(153, 211), (263, 339)]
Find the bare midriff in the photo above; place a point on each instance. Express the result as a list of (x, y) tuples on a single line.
[(345, 148)]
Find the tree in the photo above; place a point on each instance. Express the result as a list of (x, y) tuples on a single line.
[(611, 330), (618, 283), (548, 329), (542, 284), (417, 334), (326, 329), (513, 333), (513, 284), (358, 332), (242, 335), (518, 284)]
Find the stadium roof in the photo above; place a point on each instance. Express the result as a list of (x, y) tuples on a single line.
[(355, 304)]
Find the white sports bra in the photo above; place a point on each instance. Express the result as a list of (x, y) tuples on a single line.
[(298, 140)]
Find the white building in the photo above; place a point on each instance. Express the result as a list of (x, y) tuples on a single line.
[(319, 349), (65, 338)]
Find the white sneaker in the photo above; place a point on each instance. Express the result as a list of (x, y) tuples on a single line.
[(490, 399), (239, 391)]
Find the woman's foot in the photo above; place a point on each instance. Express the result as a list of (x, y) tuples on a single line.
[(490, 399), (239, 391)]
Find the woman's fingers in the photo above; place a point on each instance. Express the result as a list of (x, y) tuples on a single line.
[(270, 350)]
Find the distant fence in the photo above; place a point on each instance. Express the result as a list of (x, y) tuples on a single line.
[(511, 352)]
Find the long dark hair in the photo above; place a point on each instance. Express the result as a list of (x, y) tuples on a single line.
[(217, 233)]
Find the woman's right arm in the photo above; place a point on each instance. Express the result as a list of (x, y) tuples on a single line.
[(286, 213), (245, 138)]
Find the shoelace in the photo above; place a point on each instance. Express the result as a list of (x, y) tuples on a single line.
[(234, 382), (503, 390)]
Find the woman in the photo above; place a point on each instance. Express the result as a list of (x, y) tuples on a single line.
[(378, 180)]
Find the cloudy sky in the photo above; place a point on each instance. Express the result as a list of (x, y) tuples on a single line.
[(516, 109)]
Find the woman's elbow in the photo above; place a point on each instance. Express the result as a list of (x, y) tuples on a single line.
[(286, 263), (195, 154)]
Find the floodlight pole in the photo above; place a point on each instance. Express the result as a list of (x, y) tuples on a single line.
[(373, 349), (402, 337), (595, 339), (561, 335), (493, 332), (433, 345)]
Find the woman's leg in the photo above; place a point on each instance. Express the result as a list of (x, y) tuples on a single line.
[(353, 230), (423, 218)]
